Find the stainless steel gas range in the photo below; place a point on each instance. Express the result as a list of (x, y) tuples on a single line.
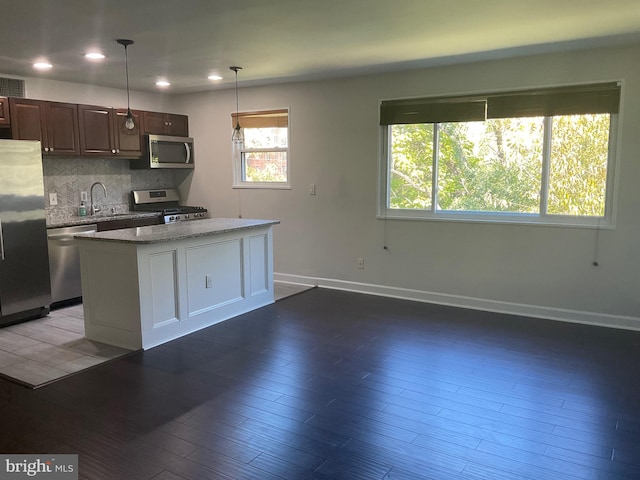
[(167, 203)]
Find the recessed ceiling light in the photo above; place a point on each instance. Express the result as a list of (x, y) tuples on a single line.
[(94, 56), (42, 65), (163, 83), (214, 77)]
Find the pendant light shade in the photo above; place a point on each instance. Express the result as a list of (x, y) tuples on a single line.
[(129, 122), (238, 135)]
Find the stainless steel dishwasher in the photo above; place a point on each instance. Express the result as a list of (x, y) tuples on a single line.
[(64, 261)]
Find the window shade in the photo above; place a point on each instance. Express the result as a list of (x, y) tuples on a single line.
[(431, 110), (602, 98), (583, 99), (262, 119)]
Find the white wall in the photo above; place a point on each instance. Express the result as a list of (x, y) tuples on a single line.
[(538, 270)]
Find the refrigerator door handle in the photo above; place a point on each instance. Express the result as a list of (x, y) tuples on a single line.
[(1, 242)]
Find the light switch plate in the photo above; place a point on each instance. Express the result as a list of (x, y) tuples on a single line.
[(83, 197), (53, 199)]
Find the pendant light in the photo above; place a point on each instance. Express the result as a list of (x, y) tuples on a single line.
[(238, 135), (129, 123)]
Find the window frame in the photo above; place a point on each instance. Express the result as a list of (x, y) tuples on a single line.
[(540, 218), (238, 152)]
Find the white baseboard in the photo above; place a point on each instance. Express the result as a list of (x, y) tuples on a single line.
[(536, 311), (295, 279)]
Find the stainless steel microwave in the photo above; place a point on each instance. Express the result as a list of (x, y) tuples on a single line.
[(163, 151)]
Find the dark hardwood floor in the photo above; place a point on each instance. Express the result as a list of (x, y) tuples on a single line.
[(336, 385)]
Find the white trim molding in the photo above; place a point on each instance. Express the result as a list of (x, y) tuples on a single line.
[(535, 311), (295, 279)]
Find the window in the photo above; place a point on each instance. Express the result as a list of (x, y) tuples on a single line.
[(542, 156), (262, 161)]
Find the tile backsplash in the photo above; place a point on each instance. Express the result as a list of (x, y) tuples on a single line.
[(67, 177)]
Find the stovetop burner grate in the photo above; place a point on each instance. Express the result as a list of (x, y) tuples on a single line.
[(183, 209)]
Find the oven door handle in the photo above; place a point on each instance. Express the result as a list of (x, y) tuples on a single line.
[(188, 151)]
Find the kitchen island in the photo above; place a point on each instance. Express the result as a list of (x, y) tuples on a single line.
[(144, 286)]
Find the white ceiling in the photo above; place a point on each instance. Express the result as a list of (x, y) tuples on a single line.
[(283, 40)]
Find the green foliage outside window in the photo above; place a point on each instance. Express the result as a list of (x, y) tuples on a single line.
[(578, 166), (265, 166), (497, 165)]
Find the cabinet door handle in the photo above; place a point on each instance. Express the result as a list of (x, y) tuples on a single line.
[(113, 150), (46, 149)]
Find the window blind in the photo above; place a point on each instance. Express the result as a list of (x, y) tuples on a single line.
[(262, 119), (431, 110), (573, 100)]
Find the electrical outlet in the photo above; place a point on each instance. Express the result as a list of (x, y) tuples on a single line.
[(53, 199), (83, 197), (207, 281), (360, 262), (312, 189)]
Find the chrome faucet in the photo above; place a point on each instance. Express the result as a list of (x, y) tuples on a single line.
[(92, 209)]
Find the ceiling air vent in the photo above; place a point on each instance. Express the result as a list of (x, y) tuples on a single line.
[(11, 87)]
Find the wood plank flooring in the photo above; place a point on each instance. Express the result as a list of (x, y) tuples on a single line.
[(337, 385)]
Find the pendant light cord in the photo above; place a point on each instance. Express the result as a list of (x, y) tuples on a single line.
[(126, 67), (129, 124), (235, 69), (237, 102)]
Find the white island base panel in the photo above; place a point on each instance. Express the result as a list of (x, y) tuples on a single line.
[(140, 295)]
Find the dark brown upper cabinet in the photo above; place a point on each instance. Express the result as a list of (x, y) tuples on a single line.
[(156, 123), (86, 130), (102, 132), (4, 111), (54, 124)]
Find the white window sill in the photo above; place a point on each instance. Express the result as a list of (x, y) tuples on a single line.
[(498, 218), (263, 186)]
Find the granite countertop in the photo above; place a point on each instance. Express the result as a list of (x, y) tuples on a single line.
[(177, 231), (90, 219)]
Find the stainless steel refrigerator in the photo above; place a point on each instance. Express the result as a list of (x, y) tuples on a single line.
[(25, 290)]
